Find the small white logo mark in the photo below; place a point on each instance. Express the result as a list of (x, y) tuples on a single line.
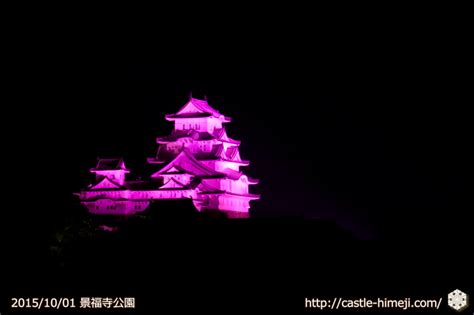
[(458, 300)]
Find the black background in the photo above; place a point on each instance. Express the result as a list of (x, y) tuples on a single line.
[(366, 128)]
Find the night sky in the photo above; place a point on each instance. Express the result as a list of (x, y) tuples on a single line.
[(364, 132), (379, 147)]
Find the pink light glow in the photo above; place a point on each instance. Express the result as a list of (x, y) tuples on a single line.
[(199, 162), (106, 228)]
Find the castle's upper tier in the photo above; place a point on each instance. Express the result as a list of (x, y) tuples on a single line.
[(198, 115)]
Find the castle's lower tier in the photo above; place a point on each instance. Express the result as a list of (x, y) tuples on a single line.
[(127, 202)]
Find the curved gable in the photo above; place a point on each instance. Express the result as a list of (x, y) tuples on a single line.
[(106, 183)]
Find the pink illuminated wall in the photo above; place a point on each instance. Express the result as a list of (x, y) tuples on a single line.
[(198, 161)]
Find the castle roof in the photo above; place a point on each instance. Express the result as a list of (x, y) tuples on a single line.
[(221, 134), (231, 152), (105, 184), (195, 108), (186, 162), (232, 174), (173, 184), (110, 164), (219, 153)]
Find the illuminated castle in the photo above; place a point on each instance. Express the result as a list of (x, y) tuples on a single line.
[(197, 161)]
